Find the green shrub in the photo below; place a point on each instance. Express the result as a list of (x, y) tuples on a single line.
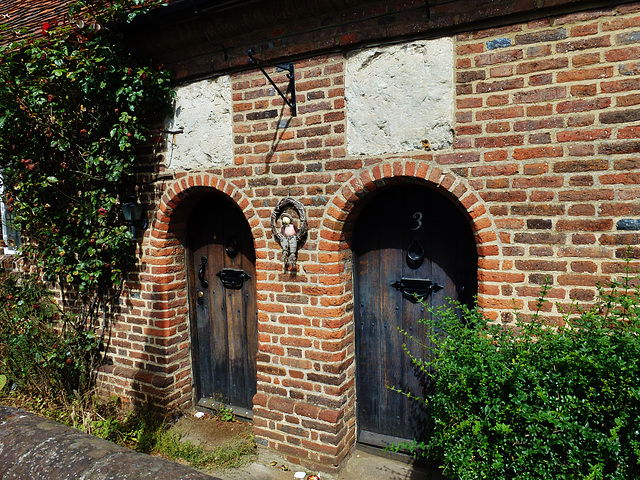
[(74, 103), (537, 401), (74, 106), (41, 350)]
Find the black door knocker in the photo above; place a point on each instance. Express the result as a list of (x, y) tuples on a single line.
[(416, 289), (415, 253), (232, 277), (231, 246)]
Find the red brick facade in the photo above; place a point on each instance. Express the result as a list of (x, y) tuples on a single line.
[(545, 165)]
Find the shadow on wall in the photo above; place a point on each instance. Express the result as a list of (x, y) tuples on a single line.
[(148, 361)]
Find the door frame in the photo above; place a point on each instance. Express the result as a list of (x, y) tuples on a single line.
[(191, 282), (374, 439)]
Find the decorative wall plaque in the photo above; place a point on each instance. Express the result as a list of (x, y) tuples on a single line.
[(289, 227)]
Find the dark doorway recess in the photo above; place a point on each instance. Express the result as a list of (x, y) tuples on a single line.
[(224, 339), (408, 239)]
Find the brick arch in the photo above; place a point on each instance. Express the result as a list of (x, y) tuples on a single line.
[(185, 186), (164, 280), (334, 249), (368, 180), (341, 207)]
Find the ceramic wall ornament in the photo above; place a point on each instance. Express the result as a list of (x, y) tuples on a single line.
[(289, 227)]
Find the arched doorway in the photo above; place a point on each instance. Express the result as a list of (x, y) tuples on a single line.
[(408, 239), (221, 279)]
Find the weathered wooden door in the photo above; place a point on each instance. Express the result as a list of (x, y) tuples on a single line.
[(221, 266), (408, 239)]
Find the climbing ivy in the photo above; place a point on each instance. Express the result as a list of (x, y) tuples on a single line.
[(73, 104)]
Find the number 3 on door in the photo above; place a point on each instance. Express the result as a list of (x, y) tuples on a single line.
[(417, 218)]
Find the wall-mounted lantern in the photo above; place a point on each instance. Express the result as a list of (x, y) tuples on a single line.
[(133, 213)]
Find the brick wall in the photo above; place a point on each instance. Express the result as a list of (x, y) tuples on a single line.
[(216, 41), (545, 166), (547, 109)]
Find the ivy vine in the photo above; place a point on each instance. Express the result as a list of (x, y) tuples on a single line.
[(73, 105)]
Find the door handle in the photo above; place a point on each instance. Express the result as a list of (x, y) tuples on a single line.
[(203, 265), (233, 278), (416, 289)]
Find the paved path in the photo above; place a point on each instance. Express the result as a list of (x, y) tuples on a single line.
[(361, 466)]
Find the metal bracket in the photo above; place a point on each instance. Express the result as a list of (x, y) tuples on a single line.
[(291, 89)]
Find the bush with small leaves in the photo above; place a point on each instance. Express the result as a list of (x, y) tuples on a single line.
[(539, 400), (42, 351)]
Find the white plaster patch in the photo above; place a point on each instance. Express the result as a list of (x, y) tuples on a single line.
[(203, 112), (398, 96)]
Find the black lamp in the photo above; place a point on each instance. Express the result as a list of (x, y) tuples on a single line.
[(133, 213)]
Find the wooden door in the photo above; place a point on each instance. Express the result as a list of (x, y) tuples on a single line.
[(221, 265), (407, 239)]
